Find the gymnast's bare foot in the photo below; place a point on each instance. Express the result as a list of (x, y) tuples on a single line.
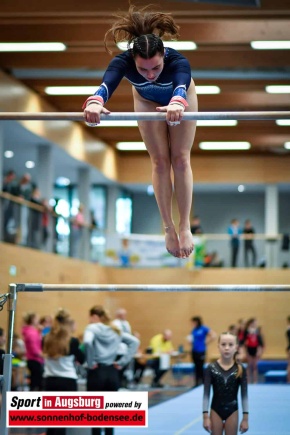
[(171, 241), (185, 242)]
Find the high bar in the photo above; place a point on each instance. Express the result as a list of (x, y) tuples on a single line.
[(144, 116), (150, 288)]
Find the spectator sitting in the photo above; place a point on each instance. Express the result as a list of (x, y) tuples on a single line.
[(213, 260), (162, 347), (195, 227)]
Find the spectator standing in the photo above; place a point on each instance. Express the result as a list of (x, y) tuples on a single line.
[(77, 228), (32, 340), (45, 324), (61, 351), (249, 247), (123, 325), (234, 231), (201, 336), (34, 220), (45, 221), (9, 186), (24, 191), (101, 341)]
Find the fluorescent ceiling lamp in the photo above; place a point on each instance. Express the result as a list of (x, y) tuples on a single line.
[(71, 90), (217, 123), (62, 181), (270, 45), (131, 146), (8, 154), (202, 123), (287, 145), (90, 90), (283, 122), (177, 45), (30, 164), (207, 90), (32, 46), (118, 124), (278, 89), (227, 146)]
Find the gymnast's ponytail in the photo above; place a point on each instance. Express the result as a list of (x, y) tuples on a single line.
[(239, 365), (144, 29)]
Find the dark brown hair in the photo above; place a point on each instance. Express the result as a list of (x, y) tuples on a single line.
[(144, 28)]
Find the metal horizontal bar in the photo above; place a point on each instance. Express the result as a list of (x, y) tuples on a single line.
[(149, 288), (143, 116)]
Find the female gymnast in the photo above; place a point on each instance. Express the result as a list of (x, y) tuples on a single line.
[(226, 376), (161, 81)]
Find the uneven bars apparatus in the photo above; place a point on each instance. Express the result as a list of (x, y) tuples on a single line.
[(11, 297), (144, 116)]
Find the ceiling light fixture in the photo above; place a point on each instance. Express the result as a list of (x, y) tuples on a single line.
[(177, 45), (105, 123), (71, 90), (30, 164), (207, 90), (283, 122), (62, 181), (278, 89), (8, 154), (217, 123), (270, 45), (131, 146), (91, 90), (287, 145), (31, 46), (224, 146)]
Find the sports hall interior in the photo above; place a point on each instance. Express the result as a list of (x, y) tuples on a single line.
[(223, 58)]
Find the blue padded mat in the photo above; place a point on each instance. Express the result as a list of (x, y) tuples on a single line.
[(269, 413)]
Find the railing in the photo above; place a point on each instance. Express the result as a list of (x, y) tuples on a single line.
[(22, 225), (25, 223)]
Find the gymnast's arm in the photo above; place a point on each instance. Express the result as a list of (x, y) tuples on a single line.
[(206, 395), (181, 73), (244, 426), (94, 105)]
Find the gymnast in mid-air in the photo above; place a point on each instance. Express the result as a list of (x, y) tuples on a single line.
[(161, 81)]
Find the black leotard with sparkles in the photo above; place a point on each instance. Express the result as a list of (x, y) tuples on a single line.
[(225, 390)]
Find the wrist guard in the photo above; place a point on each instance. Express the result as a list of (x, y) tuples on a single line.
[(178, 100), (94, 99)]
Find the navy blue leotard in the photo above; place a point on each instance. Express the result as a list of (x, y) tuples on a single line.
[(225, 385), (174, 79)]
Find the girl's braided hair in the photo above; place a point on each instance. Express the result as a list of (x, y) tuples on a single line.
[(143, 28)]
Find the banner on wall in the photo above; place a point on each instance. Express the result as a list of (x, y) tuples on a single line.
[(139, 250)]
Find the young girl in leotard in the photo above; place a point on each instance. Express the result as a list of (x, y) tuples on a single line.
[(226, 376)]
